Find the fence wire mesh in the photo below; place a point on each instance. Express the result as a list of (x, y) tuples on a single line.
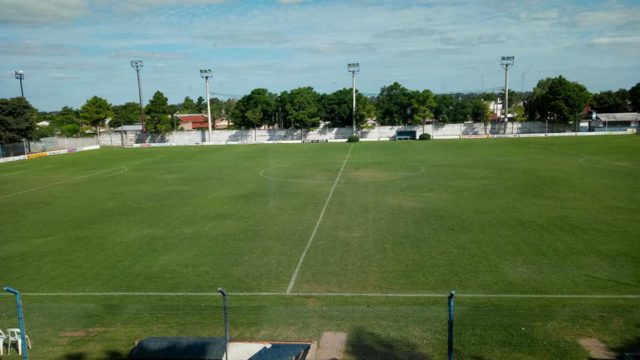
[(106, 327), (44, 145)]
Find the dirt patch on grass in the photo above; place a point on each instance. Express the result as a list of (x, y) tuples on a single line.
[(596, 349), (84, 332), (332, 345)]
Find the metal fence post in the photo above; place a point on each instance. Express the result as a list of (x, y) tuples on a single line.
[(450, 342), (23, 335), (226, 322)]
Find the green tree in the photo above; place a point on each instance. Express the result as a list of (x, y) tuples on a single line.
[(337, 107), (66, 121), (301, 107), (218, 110), (189, 106), (126, 114), (557, 100), (201, 105), (634, 97), (479, 109), (17, 120), (443, 109), (611, 101), (255, 110), (423, 105), (394, 105), (519, 114), (95, 111), (158, 114)]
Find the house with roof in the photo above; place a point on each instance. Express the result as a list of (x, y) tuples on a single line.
[(200, 122), (615, 121)]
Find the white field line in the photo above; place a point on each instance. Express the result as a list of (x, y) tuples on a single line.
[(315, 229), (324, 294)]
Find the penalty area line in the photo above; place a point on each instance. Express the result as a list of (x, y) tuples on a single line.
[(315, 229)]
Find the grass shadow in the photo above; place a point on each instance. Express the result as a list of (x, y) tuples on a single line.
[(366, 345), (631, 346)]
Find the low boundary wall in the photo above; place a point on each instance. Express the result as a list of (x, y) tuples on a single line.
[(48, 153), (381, 133)]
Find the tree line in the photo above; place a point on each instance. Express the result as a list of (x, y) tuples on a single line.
[(552, 99)]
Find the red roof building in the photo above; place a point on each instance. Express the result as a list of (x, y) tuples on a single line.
[(193, 121), (199, 121)]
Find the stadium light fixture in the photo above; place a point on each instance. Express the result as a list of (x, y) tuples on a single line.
[(226, 322), (138, 64), (353, 68), (23, 336), (206, 75), (20, 76), (506, 62)]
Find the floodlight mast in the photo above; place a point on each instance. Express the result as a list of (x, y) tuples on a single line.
[(206, 75), (20, 76), (138, 64), (506, 62), (353, 68)]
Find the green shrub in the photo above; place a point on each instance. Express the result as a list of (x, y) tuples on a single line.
[(353, 138), (424, 136)]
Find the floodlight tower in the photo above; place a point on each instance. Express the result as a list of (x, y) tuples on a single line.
[(506, 62), (206, 74), (353, 68), (20, 76), (138, 64)]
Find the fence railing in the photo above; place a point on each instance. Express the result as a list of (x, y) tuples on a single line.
[(45, 144)]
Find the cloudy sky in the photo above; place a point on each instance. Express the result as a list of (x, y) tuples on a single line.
[(71, 50)]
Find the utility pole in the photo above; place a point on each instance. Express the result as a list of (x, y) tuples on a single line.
[(506, 62), (138, 64), (20, 76), (353, 68), (206, 74)]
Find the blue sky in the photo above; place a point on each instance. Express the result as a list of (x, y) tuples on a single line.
[(71, 50)]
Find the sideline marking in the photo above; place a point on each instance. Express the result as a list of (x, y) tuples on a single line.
[(315, 229), (324, 294)]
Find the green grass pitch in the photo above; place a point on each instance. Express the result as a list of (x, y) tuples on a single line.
[(543, 218)]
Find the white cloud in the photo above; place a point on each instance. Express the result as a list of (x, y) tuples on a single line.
[(617, 40), (47, 11), (35, 49), (135, 54), (38, 11)]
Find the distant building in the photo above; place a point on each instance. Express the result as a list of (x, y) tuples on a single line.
[(193, 121), (615, 121), (200, 122)]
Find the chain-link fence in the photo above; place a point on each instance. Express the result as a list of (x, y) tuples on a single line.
[(101, 327), (45, 144), (106, 327)]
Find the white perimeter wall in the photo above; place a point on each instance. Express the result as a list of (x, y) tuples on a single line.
[(381, 133)]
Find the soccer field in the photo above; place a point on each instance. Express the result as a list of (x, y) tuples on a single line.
[(539, 238)]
